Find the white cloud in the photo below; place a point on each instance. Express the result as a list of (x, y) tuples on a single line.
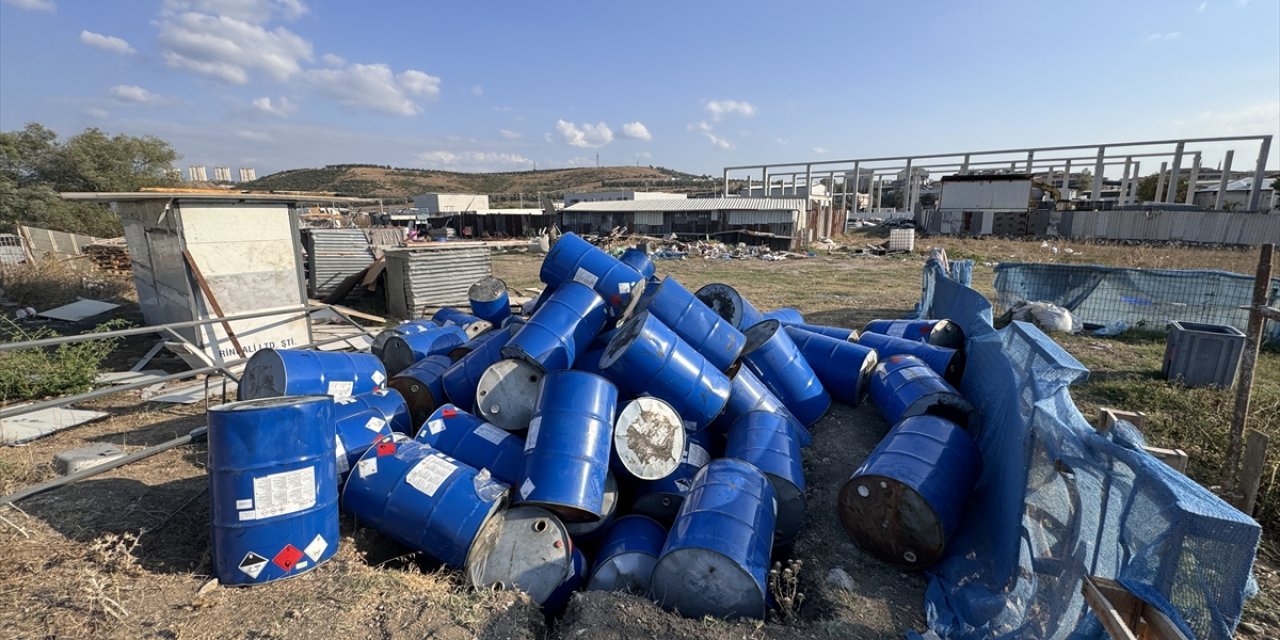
[(281, 107), (133, 94), (375, 87), (473, 160), (97, 113), (588, 136), (819, 150), (33, 5), (333, 59), (228, 49), (254, 136), (636, 131), (106, 43), (253, 11), (477, 90), (510, 135), (1259, 118), (718, 141), (721, 108), (1156, 37)]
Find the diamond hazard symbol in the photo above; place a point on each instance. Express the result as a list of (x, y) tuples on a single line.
[(288, 557), (253, 564), (386, 448)]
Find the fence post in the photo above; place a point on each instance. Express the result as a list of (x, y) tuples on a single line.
[(1248, 359)]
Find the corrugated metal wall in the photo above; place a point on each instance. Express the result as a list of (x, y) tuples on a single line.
[(436, 277), (995, 194), (1214, 227), (333, 255)]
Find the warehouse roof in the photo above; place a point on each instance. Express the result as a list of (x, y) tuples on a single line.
[(691, 204)]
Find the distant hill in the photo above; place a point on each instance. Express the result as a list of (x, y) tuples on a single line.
[(392, 183)]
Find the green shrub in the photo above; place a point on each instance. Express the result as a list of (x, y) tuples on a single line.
[(29, 374)]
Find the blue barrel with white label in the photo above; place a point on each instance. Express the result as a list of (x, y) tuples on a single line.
[(627, 555), (271, 373), (748, 394), (489, 300), (355, 432), (904, 386), (460, 379), (474, 442), (839, 333), (412, 326), (660, 499), (422, 498), (387, 401), (726, 301), (422, 387), (566, 454), (400, 351), (573, 259), (939, 333), (712, 336), (843, 367), (638, 259), (768, 442), (578, 572), (785, 315), (949, 363), (716, 559), (776, 360), (473, 326), (905, 501), (273, 488), (646, 356), (560, 329)]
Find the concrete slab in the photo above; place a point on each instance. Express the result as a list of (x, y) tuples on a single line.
[(78, 310), (28, 427), (73, 460)]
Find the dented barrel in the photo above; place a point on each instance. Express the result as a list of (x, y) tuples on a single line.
[(474, 442), (462, 377), (843, 367), (627, 555), (785, 315), (560, 329), (703, 329), (747, 393), (386, 401), (271, 373), (730, 305), (400, 351), (525, 549), (904, 386), (489, 300), (573, 259), (638, 259), (768, 442), (949, 363), (939, 333), (648, 439), (566, 454), (775, 359), (421, 386)]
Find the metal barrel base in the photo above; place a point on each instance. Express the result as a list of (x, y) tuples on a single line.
[(701, 582), (730, 305), (649, 438), (628, 555), (637, 258), (507, 393), (791, 509), (271, 373), (891, 521), (489, 300), (525, 549), (946, 405), (628, 572), (421, 386)]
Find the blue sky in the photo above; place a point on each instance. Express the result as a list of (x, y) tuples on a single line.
[(694, 86)]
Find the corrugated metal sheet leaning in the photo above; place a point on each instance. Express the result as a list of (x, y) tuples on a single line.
[(435, 277), (333, 255)]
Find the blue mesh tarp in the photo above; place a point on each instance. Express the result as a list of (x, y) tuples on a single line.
[(1058, 501), (1150, 298)]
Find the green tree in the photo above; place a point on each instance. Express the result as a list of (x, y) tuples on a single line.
[(35, 167), (1147, 188)]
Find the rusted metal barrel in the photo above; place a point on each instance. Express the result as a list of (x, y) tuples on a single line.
[(489, 300), (730, 305), (648, 439), (574, 259), (785, 315), (843, 367), (949, 363), (472, 325), (905, 501), (627, 555), (507, 392), (768, 442), (524, 549), (421, 386), (646, 356), (638, 259), (747, 394), (387, 401), (271, 373), (560, 329), (939, 333), (716, 559), (566, 454), (703, 329), (904, 386), (775, 359), (474, 442), (400, 351), (462, 377)]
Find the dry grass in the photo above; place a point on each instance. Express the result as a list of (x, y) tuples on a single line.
[(52, 282)]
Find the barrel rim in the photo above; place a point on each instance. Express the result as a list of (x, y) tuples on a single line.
[(269, 402), (760, 334), (487, 289), (493, 376), (732, 297), (678, 439), (627, 333)]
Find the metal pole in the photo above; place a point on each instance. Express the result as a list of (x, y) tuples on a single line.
[(902, 198), (1172, 194), (1253, 340), (1030, 160), (726, 183), (1097, 175), (1255, 189), (1066, 181), (1191, 182), (1223, 179), (120, 333), (964, 166), (1133, 184), (764, 182)]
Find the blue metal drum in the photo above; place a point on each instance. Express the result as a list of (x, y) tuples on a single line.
[(905, 501), (566, 454), (638, 259), (748, 394), (422, 498), (839, 333), (590, 362), (785, 315), (602, 339), (648, 439), (271, 373), (400, 351), (712, 336), (627, 555), (531, 307), (449, 316), (489, 300), (949, 363), (939, 333), (730, 305), (474, 442), (513, 322), (560, 329), (768, 442), (273, 488), (574, 259), (356, 431), (578, 572), (843, 367), (421, 386), (716, 559), (904, 386), (661, 499), (412, 326), (585, 532), (388, 402), (523, 548), (774, 358), (460, 379), (648, 357)]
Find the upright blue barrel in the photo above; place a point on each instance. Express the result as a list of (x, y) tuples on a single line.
[(660, 499), (412, 326), (726, 301), (560, 329), (747, 393), (473, 326), (489, 300), (422, 498), (904, 386), (460, 379), (904, 503), (648, 439), (716, 559), (768, 442), (839, 333), (400, 351), (474, 442), (949, 363), (573, 259), (638, 259), (785, 315), (775, 359), (843, 367), (646, 356), (523, 548), (627, 555), (421, 386), (712, 336), (273, 488), (271, 373), (355, 432), (939, 333), (566, 455), (386, 401)]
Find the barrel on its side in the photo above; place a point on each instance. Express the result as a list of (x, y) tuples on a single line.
[(489, 300), (749, 394), (839, 333), (768, 442), (412, 326), (422, 387), (775, 359), (462, 377), (716, 559), (904, 386), (637, 258), (627, 555), (472, 325), (355, 432), (474, 442), (939, 333), (949, 363), (272, 373), (386, 401), (904, 503), (648, 439), (726, 301), (704, 330), (523, 548), (273, 488), (843, 367), (401, 351), (560, 329), (566, 455), (785, 315), (574, 259)]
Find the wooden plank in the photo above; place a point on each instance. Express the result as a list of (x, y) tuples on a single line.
[(1107, 614), (1253, 342), (1255, 451), (351, 312), (1107, 418), (1176, 458), (213, 302)]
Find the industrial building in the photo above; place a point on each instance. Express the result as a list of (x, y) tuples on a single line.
[(438, 202), (574, 197), (781, 223)]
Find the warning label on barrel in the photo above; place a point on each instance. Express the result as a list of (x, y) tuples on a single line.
[(377, 377), (531, 438), (367, 467), (897, 330), (911, 373), (435, 426), (317, 547), (340, 388), (491, 433), (375, 424), (429, 474), (284, 493), (585, 277), (341, 451), (253, 564)]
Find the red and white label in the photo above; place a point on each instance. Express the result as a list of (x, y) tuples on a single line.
[(288, 557)]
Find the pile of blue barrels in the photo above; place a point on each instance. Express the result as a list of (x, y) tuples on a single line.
[(626, 434)]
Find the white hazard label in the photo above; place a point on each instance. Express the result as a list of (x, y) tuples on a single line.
[(244, 504), (531, 440), (624, 287), (377, 377), (340, 388), (526, 488), (375, 424), (697, 455), (367, 467), (585, 277), (283, 493), (429, 474), (316, 548), (912, 373), (435, 426), (341, 451), (491, 433), (253, 564)]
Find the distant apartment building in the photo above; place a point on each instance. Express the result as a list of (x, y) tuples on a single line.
[(222, 174), (197, 173), (248, 174), (574, 197)]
